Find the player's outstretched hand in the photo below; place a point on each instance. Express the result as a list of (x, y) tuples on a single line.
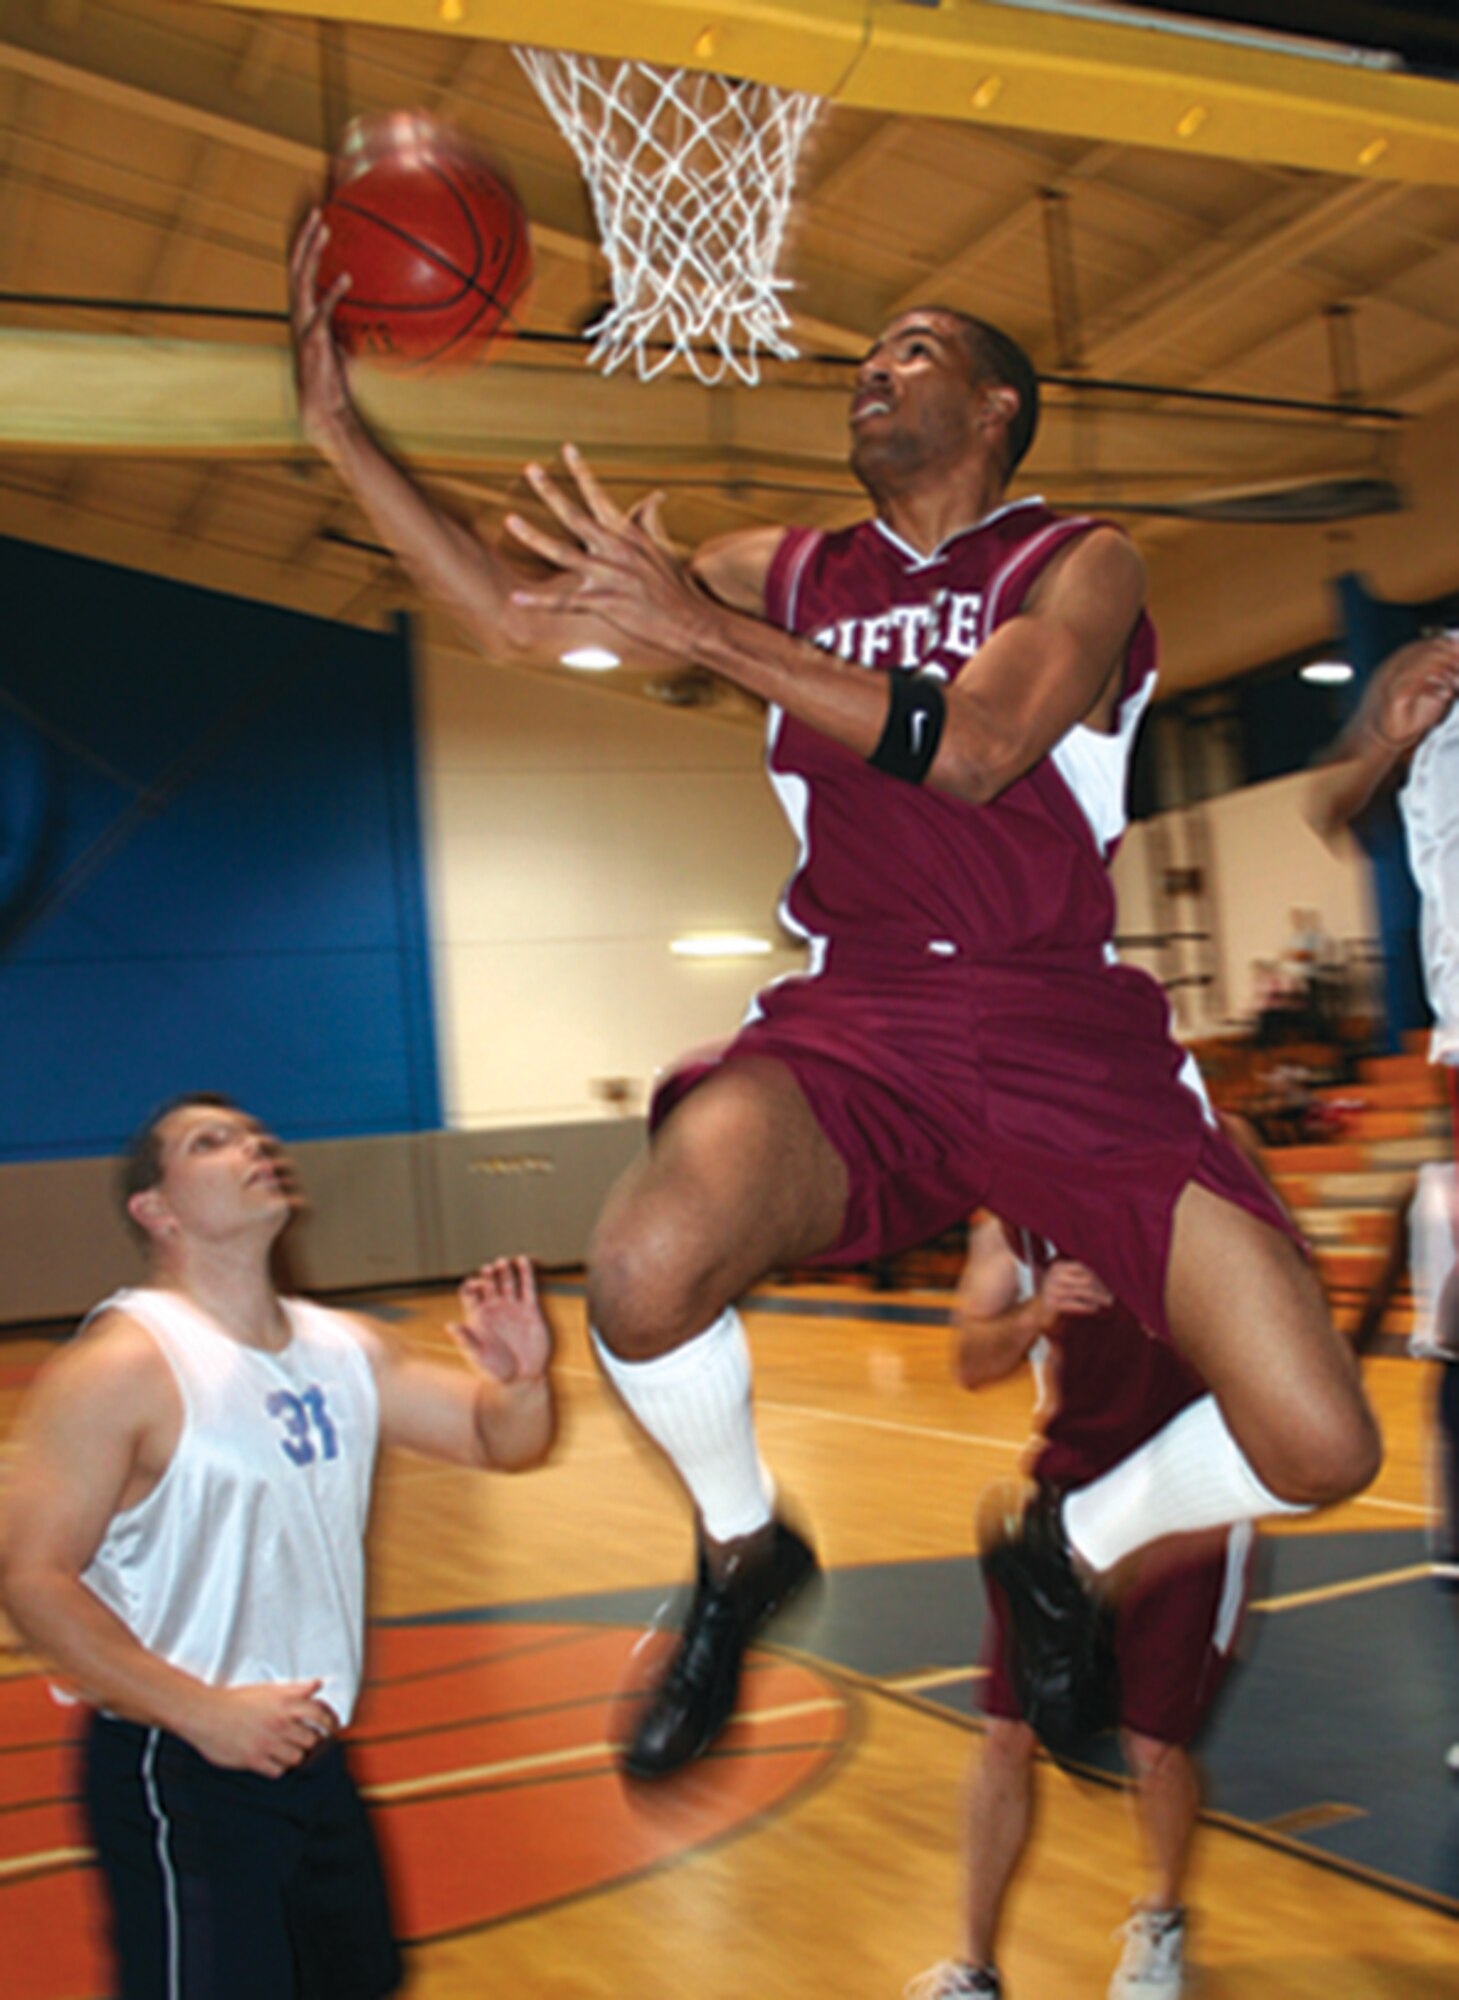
[(1069, 1287), (502, 1329), (268, 1727), (611, 565), (319, 374), (1416, 691)]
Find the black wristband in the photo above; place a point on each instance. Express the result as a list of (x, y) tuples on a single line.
[(916, 711)]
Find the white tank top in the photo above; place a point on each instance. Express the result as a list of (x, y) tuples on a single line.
[(245, 1563), (1429, 802)]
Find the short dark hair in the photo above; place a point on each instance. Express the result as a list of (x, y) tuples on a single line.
[(997, 357), (141, 1162)]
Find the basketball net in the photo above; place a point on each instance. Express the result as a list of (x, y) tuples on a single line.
[(691, 177)]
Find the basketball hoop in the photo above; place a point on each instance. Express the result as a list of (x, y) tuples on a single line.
[(691, 176)]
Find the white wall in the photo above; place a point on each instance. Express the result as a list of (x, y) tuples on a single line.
[(571, 833), (1262, 860)]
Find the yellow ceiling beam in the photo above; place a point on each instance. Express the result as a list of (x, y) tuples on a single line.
[(105, 393), (995, 65), (122, 395)]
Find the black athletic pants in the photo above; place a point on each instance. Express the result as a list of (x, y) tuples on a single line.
[(228, 1886)]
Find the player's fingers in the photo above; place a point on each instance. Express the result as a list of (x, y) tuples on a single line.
[(325, 309), (507, 1279), (598, 504), (571, 516), (308, 241), (561, 554), (648, 515)]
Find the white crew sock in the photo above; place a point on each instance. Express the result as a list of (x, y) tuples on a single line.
[(694, 1402), (1190, 1475)]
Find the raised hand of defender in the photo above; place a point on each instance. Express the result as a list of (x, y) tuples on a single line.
[(1416, 691), (1069, 1287), (502, 1329), (616, 566), (267, 1727), (319, 373)]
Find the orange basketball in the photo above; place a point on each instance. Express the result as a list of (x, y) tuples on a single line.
[(434, 239)]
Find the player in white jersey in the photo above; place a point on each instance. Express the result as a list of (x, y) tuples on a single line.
[(185, 1543), (1408, 728)]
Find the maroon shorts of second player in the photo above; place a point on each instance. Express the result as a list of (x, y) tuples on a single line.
[(1048, 1091), (1174, 1634)]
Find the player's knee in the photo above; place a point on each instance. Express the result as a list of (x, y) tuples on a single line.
[(1009, 1746), (1324, 1462), (1147, 1757), (645, 1295)]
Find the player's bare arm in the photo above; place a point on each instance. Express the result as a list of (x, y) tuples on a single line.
[(1053, 665), (450, 563), (1410, 694), (497, 1412), (994, 1324), (98, 1433)]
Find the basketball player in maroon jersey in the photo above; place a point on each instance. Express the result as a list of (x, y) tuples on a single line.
[(953, 690), (1104, 1387)]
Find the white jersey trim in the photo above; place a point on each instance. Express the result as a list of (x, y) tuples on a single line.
[(1095, 765), (919, 560), (794, 795), (797, 571), (1233, 1587)]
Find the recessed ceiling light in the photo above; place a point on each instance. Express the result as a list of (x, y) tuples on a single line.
[(591, 659), (1326, 673)]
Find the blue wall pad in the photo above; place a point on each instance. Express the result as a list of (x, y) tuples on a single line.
[(210, 863)]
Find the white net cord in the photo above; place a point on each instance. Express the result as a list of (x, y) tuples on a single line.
[(691, 176)]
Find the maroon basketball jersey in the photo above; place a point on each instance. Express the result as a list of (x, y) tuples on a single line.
[(895, 866)]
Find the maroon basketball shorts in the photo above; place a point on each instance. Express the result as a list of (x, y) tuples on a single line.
[(1174, 1634), (1049, 1091)]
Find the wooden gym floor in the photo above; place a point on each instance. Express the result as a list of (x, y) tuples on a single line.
[(817, 1853)]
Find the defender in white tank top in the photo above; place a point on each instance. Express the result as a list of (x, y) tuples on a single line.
[(184, 1540), (246, 1562)]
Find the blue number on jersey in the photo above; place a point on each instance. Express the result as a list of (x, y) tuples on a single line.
[(302, 1417)]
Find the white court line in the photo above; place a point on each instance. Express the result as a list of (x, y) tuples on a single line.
[(890, 1424), (851, 1417), (984, 1443), (1414, 1509)]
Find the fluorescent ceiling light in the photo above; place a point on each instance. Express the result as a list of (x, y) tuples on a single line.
[(591, 659), (720, 944), (1326, 673)]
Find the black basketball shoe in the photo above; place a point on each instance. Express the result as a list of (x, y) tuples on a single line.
[(1062, 1655), (696, 1697)]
